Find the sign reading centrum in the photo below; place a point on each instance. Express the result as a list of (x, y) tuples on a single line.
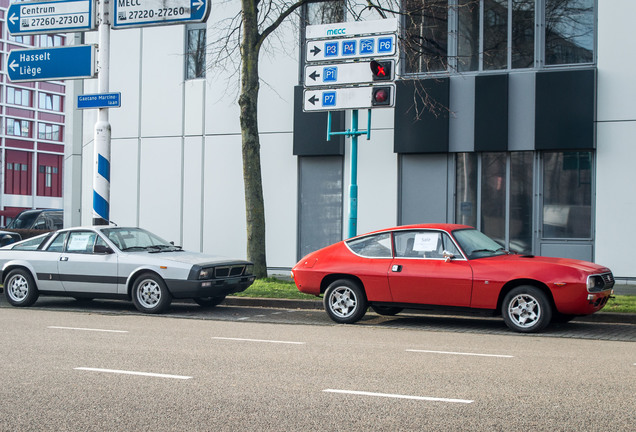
[(50, 17), (138, 13)]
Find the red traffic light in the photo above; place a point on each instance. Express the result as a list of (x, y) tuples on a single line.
[(381, 96), (381, 70)]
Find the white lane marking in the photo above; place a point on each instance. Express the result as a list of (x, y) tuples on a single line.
[(123, 372), (460, 353), (243, 318), (398, 396), (259, 340), (87, 329)]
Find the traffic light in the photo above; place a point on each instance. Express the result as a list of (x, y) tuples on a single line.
[(381, 96), (382, 70)]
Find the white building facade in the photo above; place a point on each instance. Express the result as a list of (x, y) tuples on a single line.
[(533, 145)]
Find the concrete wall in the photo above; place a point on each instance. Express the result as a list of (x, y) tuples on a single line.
[(616, 138)]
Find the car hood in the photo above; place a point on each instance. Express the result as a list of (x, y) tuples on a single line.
[(583, 266), (193, 258)]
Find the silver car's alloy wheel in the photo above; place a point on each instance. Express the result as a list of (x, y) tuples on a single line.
[(343, 301), (524, 310), (17, 288), (149, 293)]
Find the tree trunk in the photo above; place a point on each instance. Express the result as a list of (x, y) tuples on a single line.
[(251, 147)]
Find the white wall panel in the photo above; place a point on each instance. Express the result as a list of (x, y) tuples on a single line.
[(616, 60), (193, 176), (615, 204), (160, 187), (125, 69), (162, 81), (194, 105), (224, 203), (280, 189), (124, 181)]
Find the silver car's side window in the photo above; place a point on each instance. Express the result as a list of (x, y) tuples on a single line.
[(81, 242), (57, 245)]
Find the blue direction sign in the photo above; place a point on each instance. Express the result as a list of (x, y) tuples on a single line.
[(138, 13), (351, 48), (50, 17), (46, 64), (99, 100)]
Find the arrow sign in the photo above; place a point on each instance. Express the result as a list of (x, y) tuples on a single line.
[(351, 48), (343, 98), (140, 13), (47, 64), (50, 17), (341, 74)]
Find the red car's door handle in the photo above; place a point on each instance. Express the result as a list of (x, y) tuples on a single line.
[(396, 268)]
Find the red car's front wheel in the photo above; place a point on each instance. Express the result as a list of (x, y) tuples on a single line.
[(526, 309), (345, 301)]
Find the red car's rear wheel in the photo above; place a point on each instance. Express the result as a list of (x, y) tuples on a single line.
[(345, 301)]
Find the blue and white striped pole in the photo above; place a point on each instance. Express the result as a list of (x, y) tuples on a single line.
[(101, 169)]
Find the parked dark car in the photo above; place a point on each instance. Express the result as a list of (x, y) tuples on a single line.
[(38, 219)]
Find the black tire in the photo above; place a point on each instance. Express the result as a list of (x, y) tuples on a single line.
[(20, 289), (209, 302), (345, 301), (150, 294), (387, 310), (526, 309)]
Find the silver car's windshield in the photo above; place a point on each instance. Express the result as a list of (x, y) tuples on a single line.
[(136, 239), (477, 244)]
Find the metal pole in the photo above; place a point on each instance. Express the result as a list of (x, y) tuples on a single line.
[(101, 173), (353, 188)]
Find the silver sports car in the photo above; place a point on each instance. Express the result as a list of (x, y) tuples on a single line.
[(119, 263)]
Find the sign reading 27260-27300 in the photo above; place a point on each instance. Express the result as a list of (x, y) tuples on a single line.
[(139, 13)]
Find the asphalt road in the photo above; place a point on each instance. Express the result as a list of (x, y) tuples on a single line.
[(108, 368)]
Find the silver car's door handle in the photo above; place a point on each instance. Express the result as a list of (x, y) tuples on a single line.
[(64, 258)]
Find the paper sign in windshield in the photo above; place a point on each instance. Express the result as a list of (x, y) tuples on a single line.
[(425, 242)]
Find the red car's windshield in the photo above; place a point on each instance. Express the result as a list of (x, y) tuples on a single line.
[(477, 244)]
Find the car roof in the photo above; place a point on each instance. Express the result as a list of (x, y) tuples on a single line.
[(436, 226)]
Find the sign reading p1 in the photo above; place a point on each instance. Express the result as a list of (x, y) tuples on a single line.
[(138, 13), (46, 64)]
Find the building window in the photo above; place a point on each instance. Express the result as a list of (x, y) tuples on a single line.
[(325, 12), (195, 52), (49, 132), (18, 96), (480, 35), (21, 128), (50, 102), (426, 36), (51, 40), (569, 31), (567, 195)]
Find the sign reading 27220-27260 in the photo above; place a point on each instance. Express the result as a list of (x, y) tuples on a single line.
[(138, 13)]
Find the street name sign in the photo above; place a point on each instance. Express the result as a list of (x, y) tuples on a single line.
[(99, 100), (343, 98), (46, 64), (351, 48), (341, 74), (350, 29), (51, 17), (139, 13)]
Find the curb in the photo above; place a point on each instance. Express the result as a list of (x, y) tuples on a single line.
[(600, 317)]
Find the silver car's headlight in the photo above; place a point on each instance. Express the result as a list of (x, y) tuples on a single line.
[(206, 273), (249, 269)]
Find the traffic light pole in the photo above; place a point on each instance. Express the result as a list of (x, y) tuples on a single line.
[(352, 133)]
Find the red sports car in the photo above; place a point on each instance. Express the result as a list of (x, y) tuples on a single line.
[(449, 265)]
